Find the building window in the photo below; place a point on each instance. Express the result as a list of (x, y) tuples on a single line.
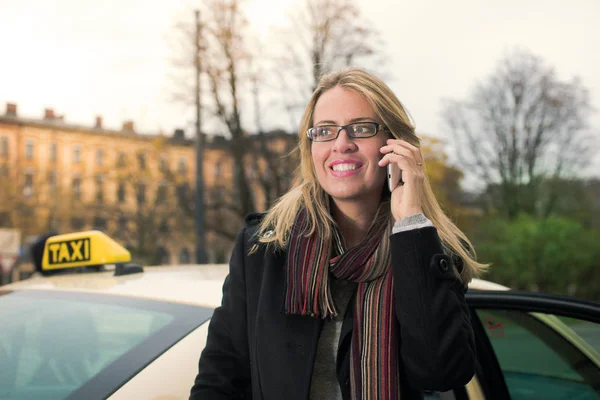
[(53, 151), (77, 223), (29, 147), (121, 159), (218, 169), (121, 193), (5, 218), (163, 227), (142, 160), (162, 256), (99, 223), (141, 193), (163, 166), (4, 146), (52, 180), (123, 223), (99, 157), (4, 170), (28, 186), (182, 192), (28, 212), (184, 256), (161, 193), (182, 165), (99, 189), (76, 188), (76, 154)]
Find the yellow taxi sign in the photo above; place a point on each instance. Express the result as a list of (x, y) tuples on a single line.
[(82, 249)]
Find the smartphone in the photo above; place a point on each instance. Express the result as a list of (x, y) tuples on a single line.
[(394, 175)]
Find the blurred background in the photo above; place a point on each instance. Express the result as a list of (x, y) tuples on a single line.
[(109, 109)]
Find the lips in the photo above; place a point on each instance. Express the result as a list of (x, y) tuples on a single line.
[(342, 168), (345, 161)]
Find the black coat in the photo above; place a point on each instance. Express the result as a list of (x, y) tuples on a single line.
[(256, 351)]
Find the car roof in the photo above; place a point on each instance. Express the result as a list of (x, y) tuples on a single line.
[(188, 284), (480, 284)]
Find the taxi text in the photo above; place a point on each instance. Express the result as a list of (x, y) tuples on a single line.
[(69, 251)]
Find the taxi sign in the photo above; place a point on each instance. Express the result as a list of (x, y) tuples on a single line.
[(82, 249)]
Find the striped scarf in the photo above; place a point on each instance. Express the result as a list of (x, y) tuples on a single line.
[(373, 360)]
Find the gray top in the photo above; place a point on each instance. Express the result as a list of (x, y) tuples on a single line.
[(324, 381)]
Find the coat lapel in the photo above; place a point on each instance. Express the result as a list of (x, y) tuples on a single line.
[(285, 344)]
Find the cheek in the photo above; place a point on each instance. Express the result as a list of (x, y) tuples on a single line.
[(318, 155), (375, 153), (375, 156)]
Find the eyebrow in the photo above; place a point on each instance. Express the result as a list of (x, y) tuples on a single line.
[(353, 120)]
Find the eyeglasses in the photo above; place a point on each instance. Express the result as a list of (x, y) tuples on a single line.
[(357, 130)]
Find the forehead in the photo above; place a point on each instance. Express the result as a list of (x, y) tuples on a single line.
[(341, 105)]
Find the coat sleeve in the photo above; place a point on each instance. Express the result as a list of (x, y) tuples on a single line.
[(224, 367), (437, 345)]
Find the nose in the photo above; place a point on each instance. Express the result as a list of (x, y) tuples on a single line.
[(343, 143)]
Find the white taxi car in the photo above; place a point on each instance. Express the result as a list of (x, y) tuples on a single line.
[(121, 333), (125, 332)]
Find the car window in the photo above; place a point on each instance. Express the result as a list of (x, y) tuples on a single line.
[(541, 357), (51, 347), (588, 331)]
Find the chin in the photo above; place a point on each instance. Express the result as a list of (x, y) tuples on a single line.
[(356, 194), (347, 195)]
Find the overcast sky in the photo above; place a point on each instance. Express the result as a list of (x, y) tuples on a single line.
[(111, 57)]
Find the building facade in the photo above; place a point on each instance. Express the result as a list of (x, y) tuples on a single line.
[(56, 177)]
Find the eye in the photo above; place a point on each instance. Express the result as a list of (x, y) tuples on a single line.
[(323, 132), (362, 129)]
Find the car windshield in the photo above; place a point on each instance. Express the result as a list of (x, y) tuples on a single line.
[(58, 345)]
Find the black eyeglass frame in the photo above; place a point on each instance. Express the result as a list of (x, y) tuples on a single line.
[(378, 127)]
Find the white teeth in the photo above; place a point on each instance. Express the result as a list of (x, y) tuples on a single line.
[(344, 167)]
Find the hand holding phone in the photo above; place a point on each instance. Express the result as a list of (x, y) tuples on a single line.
[(394, 175)]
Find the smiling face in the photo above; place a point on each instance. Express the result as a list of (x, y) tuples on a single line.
[(347, 168)]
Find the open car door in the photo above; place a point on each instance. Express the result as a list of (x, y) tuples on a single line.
[(534, 346)]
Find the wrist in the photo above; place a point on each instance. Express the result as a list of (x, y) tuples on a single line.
[(411, 222), (408, 213)]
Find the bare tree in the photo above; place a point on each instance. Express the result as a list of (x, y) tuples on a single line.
[(520, 128), (268, 168), (233, 97), (8, 198), (34, 202), (149, 217), (323, 35), (273, 164), (226, 67), (227, 73), (239, 86)]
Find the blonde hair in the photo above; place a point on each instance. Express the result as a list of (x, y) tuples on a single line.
[(307, 193)]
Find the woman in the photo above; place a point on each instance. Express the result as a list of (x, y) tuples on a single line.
[(343, 290)]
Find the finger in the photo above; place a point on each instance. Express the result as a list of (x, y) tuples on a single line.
[(402, 151), (413, 149), (416, 153), (408, 169), (403, 143)]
